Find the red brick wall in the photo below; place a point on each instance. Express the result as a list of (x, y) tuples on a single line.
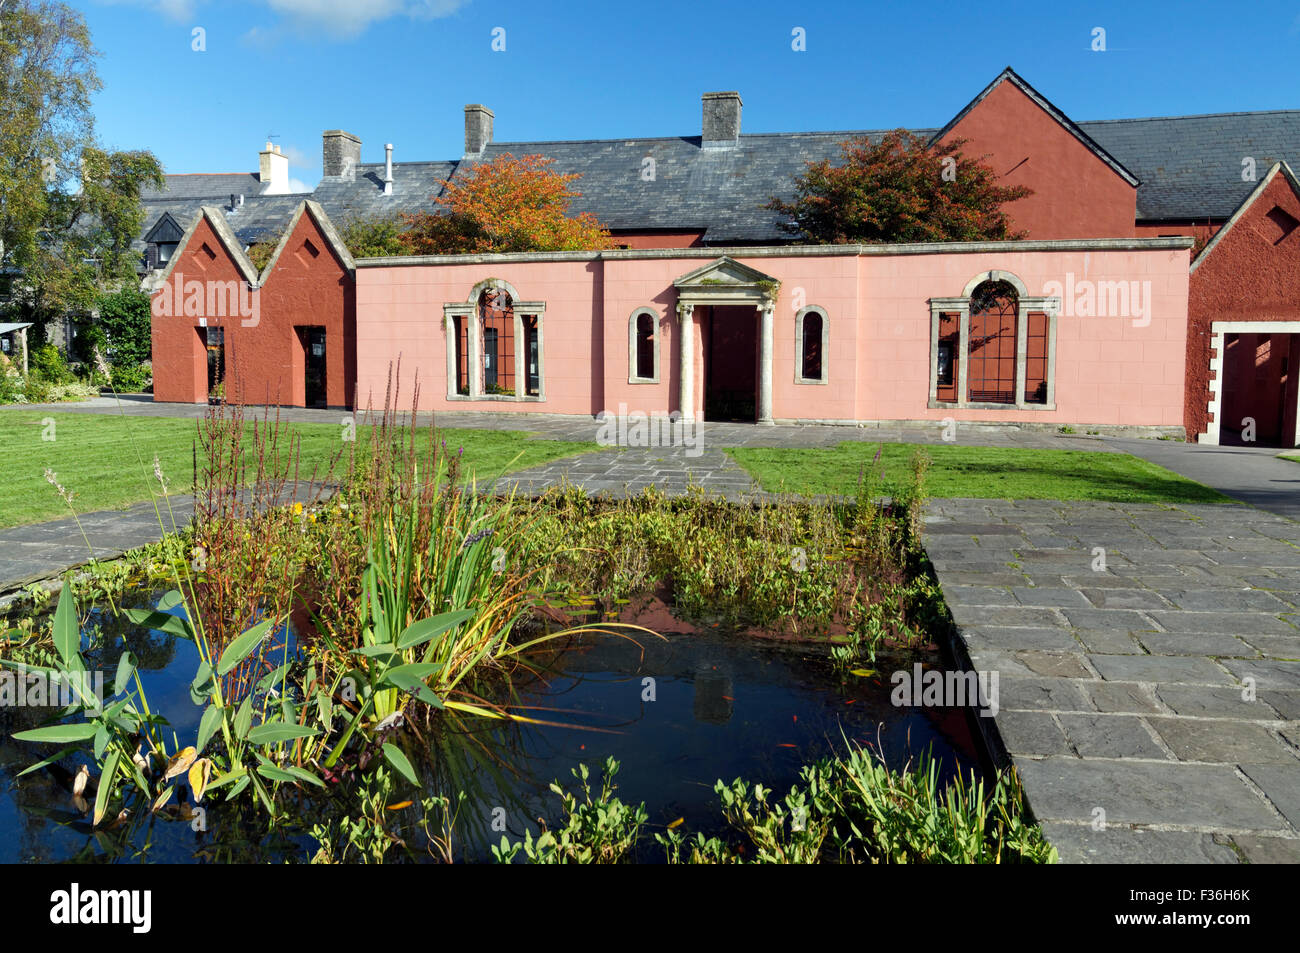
[(308, 287), (1076, 194), (180, 370), (1252, 274)]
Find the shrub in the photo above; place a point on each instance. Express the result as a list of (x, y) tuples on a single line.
[(130, 378), (47, 363), (124, 320)]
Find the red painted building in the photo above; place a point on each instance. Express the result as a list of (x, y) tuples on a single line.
[(1243, 334), (1094, 181), (286, 336)]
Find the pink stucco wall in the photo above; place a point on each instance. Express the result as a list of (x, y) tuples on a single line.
[(1109, 371)]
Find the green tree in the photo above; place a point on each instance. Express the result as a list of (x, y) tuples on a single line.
[(69, 210), (374, 237), (899, 189), (124, 319)]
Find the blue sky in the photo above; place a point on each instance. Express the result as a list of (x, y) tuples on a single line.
[(401, 71)]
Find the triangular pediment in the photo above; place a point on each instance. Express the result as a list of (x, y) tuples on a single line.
[(726, 273)]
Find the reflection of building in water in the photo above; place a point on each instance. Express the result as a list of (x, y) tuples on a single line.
[(713, 696)]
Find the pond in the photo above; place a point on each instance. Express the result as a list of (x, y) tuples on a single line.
[(679, 712)]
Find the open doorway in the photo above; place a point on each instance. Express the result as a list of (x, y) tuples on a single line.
[(1261, 389), (314, 366), (731, 364)]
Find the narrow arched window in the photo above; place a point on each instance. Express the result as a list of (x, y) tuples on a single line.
[(643, 347), (994, 309), (812, 346), (812, 334), (497, 314)]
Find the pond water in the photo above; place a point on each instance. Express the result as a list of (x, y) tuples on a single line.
[(678, 713)]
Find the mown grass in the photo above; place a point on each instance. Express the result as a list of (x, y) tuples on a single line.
[(107, 461), (983, 472)]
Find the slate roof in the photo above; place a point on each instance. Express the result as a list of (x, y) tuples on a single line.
[(1189, 169), (206, 185), (1190, 166)]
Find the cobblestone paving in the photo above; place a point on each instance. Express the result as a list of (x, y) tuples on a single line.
[(1161, 686)]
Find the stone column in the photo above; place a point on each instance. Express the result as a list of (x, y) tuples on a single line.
[(765, 363), (22, 336), (686, 360)]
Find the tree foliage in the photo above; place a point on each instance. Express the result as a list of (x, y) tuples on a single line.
[(69, 210), (899, 189), (375, 237), (124, 318), (506, 205)]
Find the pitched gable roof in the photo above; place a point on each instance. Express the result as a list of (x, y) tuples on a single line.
[(234, 249), (326, 228), (1009, 75), (1279, 168)]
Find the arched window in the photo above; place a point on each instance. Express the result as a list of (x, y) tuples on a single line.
[(643, 346), (993, 346), (994, 307), (496, 313), (812, 341)]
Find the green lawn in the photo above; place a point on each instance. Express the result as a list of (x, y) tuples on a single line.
[(987, 472), (107, 461)]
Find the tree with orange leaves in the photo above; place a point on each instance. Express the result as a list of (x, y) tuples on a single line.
[(505, 205)]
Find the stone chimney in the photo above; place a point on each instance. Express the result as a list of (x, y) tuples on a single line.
[(388, 168), (274, 171), (721, 120), (337, 147), (478, 128)]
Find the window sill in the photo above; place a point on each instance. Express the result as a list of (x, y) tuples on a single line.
[(643, 380), (530, 398), (985, 405), (810, 380)]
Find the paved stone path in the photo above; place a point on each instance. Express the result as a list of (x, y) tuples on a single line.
[(578, 427), (1254, 475), (43, 550), (1162, 689)]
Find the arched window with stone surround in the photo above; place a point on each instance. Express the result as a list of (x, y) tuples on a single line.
[(812, 345), (495, 347), (993, 346), (643, 346)]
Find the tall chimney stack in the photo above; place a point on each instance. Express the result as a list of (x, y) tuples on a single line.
[(478, 128), (721, 120), (388, 168), (273, 171), (337, 148)]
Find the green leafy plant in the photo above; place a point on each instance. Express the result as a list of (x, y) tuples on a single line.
[(596, 830)]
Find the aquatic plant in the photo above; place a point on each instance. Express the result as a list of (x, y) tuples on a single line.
[(596, 830)]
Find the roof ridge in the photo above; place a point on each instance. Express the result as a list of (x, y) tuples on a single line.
[(1243, 112)]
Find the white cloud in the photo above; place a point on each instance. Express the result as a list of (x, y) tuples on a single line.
[(298, 185), (348, 18), (340, 19)]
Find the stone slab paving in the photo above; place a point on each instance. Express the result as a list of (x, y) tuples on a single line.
[(1148, 663), (589, 428), (42, 550), (614, 473)]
